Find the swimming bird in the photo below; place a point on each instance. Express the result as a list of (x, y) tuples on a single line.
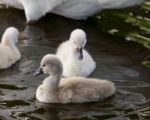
[(75, 59), (75, 9), (9, 53), (56, 89)]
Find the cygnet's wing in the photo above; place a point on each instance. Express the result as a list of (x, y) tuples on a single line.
[(78, 90), (62, 51), (6, 55)]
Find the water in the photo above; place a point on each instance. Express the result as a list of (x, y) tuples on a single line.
[(117, 60)]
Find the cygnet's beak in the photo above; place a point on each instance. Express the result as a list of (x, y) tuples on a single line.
[(80, 51), (38, 72)]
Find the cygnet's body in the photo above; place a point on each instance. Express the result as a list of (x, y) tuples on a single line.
[(75, 59), (56, 89), (75, 9), (9, 53)]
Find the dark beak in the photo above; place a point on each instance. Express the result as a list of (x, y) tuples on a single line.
[(80, 51), (38, 72)]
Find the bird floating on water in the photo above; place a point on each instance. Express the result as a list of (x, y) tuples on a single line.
[(9, 52), (75, 59), (56, 89), (75, 9)]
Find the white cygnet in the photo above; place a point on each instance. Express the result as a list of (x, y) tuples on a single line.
[(75, 59), (75, 9), (8, 50), (56, 89)]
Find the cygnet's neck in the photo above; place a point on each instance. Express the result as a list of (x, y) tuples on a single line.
[(52, 82), (73, 55)]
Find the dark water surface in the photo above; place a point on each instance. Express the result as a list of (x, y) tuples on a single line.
[(117, 60)]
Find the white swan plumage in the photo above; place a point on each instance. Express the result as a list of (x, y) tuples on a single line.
[(75, 59), (8, 50), (75, 9)]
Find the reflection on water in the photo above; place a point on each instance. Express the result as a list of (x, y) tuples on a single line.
[(117, 60), (137, 23)]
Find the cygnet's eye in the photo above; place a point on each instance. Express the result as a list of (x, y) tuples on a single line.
[(44, 65), (74, 42)]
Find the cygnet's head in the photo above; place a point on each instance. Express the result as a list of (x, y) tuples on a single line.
[(78, 40), (51, 65), (10, 36)]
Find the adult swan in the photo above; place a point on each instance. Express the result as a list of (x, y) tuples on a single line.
[(75, 9)]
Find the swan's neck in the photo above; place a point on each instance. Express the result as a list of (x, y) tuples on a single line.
[(52, 82), (73, 55)]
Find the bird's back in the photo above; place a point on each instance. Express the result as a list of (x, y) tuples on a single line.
[(63, 51), (78, 89)]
